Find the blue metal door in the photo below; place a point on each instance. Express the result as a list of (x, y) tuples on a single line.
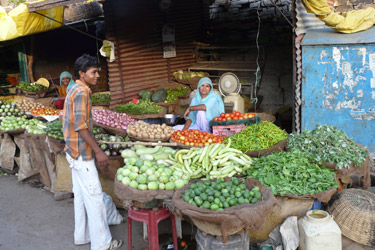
[(338, 86)]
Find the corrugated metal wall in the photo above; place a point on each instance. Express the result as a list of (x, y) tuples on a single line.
[(136, 29)]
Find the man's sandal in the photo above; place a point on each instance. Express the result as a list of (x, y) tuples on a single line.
[(115, 244)]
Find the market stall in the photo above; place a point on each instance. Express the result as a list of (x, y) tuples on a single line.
[(235, 185)]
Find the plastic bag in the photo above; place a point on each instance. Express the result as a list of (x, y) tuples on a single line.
[(284, 237), (113, 216)]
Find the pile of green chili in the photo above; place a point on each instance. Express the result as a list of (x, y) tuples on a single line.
[(257, 136)]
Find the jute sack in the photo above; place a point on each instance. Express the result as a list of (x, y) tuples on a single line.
[(284, 208), (232, 219)]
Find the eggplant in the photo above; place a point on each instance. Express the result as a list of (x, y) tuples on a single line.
[(114, 153), (104, 146), (97, 136), (116, 146), (107, 152), (112, 138)]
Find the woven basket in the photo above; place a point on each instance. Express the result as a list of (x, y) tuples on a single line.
[(354, 212)]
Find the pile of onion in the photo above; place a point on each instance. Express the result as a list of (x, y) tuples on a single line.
[(112, 119)]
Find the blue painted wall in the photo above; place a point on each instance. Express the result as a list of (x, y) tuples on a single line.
[(338, 85)]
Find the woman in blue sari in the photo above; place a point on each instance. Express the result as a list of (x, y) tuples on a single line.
[(205, 106)]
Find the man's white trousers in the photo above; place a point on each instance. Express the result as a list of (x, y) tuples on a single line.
[(90, 215)]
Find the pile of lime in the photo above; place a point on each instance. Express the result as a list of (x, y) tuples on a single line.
[(220, 194)]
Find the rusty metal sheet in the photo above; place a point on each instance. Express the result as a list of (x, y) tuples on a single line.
[(138, 39)]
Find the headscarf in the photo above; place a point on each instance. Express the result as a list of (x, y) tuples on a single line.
[(71, 83), (214, 103)]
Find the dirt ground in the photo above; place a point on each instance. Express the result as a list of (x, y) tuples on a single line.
[(31, 219)]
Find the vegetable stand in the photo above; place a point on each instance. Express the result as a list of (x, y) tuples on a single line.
[(154, 173)]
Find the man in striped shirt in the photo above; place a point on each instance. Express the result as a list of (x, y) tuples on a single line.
[(90, 217)]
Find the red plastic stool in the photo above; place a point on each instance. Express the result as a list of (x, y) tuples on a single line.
[(152, 219)]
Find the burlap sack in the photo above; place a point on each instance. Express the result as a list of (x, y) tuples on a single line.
[(283, 208), (40, 157), (232, 219), (55, 146), (323, 197), (278, 147), (363, 171), (115, 162), (131, 194)]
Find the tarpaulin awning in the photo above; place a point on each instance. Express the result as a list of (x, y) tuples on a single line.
[(19, 22), (348, 22)]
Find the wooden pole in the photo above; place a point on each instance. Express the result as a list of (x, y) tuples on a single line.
[(172, 144)]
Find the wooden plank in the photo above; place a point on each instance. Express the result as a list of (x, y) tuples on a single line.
[(48, 4), (223, 67)]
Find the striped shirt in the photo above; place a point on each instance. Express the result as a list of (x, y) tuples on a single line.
[(77, 116)]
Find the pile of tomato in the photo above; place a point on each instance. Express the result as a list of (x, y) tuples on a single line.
[(196, 138), (45, 111), (234, 116)]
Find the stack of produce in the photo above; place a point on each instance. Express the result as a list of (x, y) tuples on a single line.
[(7, 109), (54, 130), (144, 169), (37, 128), (163, 95), (141, 108), (196, 138), (31, 87), (174, 93), (221, 194), (291, 173), (96, 131), (328, 144), (45, 111), (213, 161), (144, 130), (111, 149), (13, 123), (27, 105), (233, 116), (101, 98), (180, 75), (257, 137), (112, 119)]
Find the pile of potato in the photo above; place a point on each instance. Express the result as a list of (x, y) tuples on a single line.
[(144, 130), (27, 105)]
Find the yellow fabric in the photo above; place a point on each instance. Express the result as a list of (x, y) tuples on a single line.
[(62, 91), (28, 23), (8, 28), (349, 22)]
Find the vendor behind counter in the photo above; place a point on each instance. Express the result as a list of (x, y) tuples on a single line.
[(203, 107)]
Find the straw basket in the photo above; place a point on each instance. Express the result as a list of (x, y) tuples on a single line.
[(354, 212)]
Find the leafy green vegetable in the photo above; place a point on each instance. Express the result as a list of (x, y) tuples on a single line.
[(174, 93), (292, 173), (257, 137), (141, 108), (31, 87), (100, 98), (328, 144)]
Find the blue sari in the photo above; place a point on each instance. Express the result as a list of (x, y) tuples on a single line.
[(214, 103)]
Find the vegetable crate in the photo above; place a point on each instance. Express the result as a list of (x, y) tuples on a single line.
[(227, 130)]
